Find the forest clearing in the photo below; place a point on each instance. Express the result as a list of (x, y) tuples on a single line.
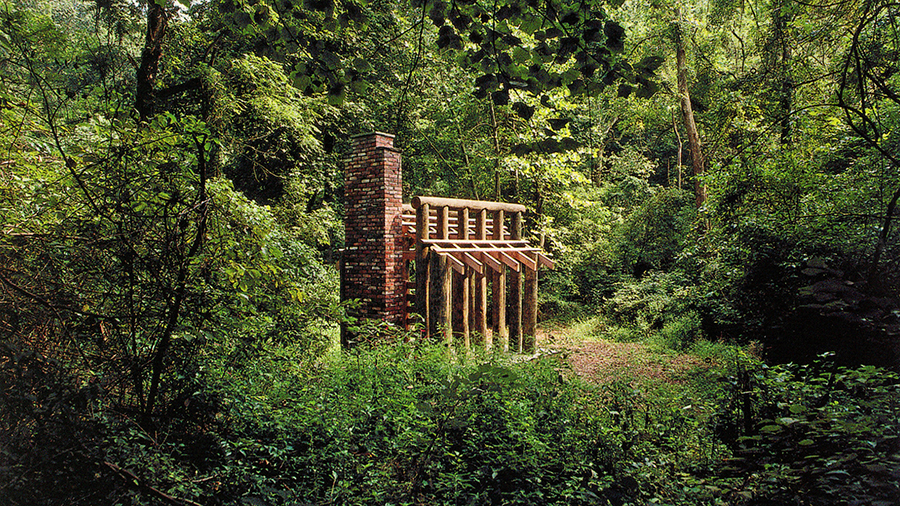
[(435, 252), (601, 361)]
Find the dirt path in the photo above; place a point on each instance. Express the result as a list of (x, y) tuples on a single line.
[(601, 361)]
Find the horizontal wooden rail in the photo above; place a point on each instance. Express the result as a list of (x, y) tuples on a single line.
[(487, 242), (471, 204)]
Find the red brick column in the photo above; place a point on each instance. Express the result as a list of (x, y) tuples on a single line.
[(371, 262)]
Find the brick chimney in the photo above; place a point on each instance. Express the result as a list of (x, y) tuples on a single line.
[(371, 261)]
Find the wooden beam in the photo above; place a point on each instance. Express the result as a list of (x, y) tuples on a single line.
[(469, 260), (529, 308), (502, 242), (514, 313), (422, 264), (443, 223), (471, 204), (479, 287), (455, 263), (490, 261), (482, 248), (498, 290), (545, 261), (461, 287), (439, 297), (506, 259), (443, 283), (522, 257)]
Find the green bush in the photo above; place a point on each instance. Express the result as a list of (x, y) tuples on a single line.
[(680, 332), (653, 235), (664, 303), (813, 434), (410, 423), (401, 424)]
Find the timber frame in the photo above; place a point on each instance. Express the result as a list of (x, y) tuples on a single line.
[(460, 247), (473, 266)]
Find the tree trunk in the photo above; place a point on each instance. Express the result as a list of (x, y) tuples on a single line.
[(174, 305), (786, 93), (157, 24), (680, 146), (883, 237), (494, 129), (688, 113)]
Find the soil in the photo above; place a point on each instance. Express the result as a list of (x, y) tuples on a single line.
[(600, 361)]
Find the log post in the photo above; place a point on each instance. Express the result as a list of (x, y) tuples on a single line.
[(479, 287), (529, 317), (440, 295), (515, 293), (422, 273), (461, 285), (498, 291)]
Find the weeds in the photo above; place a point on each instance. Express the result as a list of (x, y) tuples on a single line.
[(403, 423)]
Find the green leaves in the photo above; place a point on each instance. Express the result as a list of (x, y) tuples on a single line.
[(615, 36), (448, 38), (810, 427), (311, 36), (523, 110), (520, 46)]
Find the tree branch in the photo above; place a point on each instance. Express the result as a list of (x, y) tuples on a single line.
[(136, 481)]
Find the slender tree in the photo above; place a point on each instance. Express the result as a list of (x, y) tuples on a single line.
[(687, 113)]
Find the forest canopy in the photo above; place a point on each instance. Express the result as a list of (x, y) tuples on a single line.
[(706, 173)]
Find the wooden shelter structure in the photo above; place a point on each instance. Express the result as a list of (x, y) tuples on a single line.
[(462, 248), (463, 265)]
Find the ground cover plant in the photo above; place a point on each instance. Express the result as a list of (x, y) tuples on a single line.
[(408, 423)]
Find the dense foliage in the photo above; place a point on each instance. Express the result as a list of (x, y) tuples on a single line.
[(714, 178)]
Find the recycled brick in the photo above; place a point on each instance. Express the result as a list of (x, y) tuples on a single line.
[(373, 195)]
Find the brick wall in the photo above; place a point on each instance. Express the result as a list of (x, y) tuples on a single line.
[(373, 188)]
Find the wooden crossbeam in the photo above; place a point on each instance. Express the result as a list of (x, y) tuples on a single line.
[(545, 260), (511, 256), (471, 204), (486, 247), (471, 261), (527, 261), (496, 242), (491, 262), (455, 263), (508, 260)]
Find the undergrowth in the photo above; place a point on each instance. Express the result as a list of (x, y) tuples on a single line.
[(411, 423)]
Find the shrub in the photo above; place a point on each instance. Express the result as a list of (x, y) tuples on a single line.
[(816, 433), (402, 424), (658, 302)]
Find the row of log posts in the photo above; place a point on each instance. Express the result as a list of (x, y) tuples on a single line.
[(453, 304)]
